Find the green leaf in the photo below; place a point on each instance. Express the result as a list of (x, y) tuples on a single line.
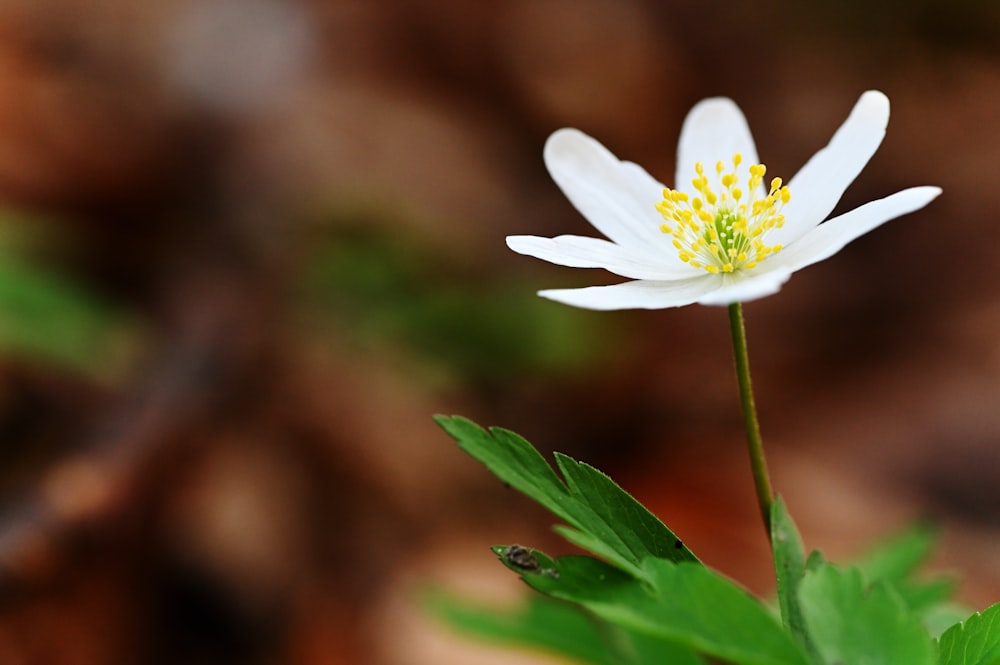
[(815, 561), (789, 568), (382, 286), (850, 622), (683, 603), (896, 560), (52, 319), (976, 641), (558, 627), (604, 519), (542, 623), (525, 560), (941, 617)]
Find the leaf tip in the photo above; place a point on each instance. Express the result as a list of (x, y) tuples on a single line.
[(454, 425), (526, 560)]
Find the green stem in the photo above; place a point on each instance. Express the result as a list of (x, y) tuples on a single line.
[(758, 465)]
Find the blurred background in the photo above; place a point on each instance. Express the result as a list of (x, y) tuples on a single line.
[(249, 247)]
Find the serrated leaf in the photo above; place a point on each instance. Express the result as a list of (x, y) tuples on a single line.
[(558, 627), (941, 617), (789, 568), (976, 641), (683, 603), (850, 622), (603, 518)]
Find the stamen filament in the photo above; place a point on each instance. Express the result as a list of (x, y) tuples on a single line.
[(724, 226)]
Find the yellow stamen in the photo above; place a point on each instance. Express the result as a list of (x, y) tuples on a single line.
[(721, 229)]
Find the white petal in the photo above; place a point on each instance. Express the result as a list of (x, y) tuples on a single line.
[(618, 198), (583, 252), (818, 185), (715, 129), (747, 288), (640, 294), (829, 238)]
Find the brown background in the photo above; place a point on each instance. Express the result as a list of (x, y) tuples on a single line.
[(297, 211)]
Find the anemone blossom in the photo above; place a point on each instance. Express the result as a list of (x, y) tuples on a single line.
[(727, 233)]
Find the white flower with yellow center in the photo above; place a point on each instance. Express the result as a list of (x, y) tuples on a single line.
[(726, 234)]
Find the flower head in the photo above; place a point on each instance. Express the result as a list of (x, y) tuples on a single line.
[(726, 234)]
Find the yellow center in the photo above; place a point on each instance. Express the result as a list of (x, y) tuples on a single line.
[(724, 231)]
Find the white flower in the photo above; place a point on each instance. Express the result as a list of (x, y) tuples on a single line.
[(726, 234)]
